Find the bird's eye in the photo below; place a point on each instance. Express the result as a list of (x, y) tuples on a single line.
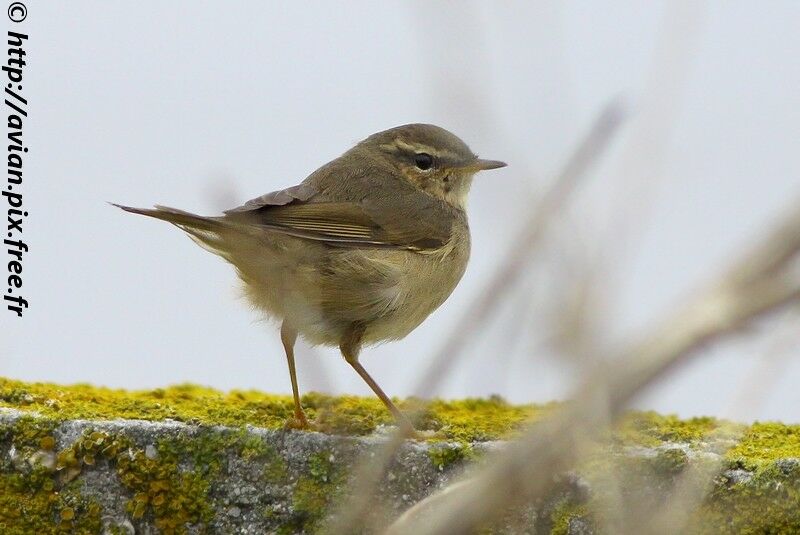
[(423, 161)]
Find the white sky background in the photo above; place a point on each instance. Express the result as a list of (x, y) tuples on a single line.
[(203, 105)]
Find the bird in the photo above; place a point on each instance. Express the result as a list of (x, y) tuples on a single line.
[(360, 252)]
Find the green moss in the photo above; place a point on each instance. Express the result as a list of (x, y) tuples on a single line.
[(347, 415), (275, 470), (255, 448), (472, 420), (316, 491), (186, 403), (563, 514), (466, 420), (37, 495), (670, 462), (321, 467), (463, 421), (768, 503), (763, 443), (40, 499), (766, 498), (652, 429), (444, 455)]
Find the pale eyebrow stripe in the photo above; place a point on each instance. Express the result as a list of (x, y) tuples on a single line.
[(443, 153)]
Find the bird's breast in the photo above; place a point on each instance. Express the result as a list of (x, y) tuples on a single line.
[(421, 282), (389, 291)]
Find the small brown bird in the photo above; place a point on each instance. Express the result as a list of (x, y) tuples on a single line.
[(361, 251)]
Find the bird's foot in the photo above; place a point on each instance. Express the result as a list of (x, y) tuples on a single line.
[(298, 421)]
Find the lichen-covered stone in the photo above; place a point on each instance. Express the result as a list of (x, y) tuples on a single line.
[(192, 460), (195, 478)]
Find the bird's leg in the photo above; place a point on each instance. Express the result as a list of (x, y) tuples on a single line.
[(288, 337), (350, 346)]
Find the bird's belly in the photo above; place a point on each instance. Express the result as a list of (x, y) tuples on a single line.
[(417, 301), (411, 286), (324, 293)]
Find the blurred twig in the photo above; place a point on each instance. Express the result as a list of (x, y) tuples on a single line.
[(761, 281), (783, 345), (692, 486), (525, 243), (353, 511)]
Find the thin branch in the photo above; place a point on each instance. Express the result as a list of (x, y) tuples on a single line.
[(352, 511), (693, 485), (759, 283), (526, 242)]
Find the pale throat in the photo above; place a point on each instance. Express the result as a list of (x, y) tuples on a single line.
[(458, 193)]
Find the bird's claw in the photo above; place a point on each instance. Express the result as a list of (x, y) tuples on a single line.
[(298, 421)]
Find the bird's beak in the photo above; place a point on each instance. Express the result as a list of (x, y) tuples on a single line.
[(484, 165)]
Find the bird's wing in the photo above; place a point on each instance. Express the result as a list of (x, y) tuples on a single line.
[(300, 193), (410, 224)]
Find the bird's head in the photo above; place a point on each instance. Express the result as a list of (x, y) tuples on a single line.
[(431, 158)]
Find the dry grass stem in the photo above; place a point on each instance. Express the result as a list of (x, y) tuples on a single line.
[(760, 282), (528, 239), (693, 485), (352, 511)]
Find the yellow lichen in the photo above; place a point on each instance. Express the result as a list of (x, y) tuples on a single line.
[(764, 442), (37, 495), (461, 420), (38, 499), (652, 429), (464, 420)]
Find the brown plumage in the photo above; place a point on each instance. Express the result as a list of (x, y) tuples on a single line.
[(362, 251)]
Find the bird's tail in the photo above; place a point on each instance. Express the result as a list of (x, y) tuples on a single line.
[(210, 233)]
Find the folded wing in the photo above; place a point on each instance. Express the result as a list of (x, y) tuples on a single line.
[(410, 223)]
